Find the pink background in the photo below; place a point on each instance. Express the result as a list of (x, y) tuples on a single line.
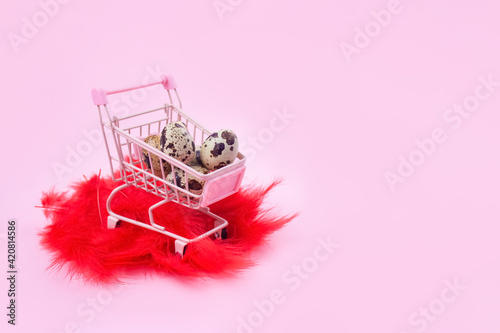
[(353, 120)]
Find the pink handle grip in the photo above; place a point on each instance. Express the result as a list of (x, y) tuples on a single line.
[(100, 96)]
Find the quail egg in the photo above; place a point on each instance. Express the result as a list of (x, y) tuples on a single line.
[(219, 149), (154, 163), (176, 141), (195, 185)]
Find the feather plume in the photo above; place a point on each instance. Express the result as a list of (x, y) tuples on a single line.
[(77, 236)]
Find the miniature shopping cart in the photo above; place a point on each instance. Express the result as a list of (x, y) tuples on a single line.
[(126, 150)]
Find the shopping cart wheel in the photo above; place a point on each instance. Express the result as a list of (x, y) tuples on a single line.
[(222, 234), (113, 222), (180, 248)]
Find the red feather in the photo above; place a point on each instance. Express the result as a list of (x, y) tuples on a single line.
[(79, 239)]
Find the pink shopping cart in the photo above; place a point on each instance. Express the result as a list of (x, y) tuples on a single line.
[(124, 140)]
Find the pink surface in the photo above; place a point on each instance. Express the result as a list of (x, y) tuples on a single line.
[(382, 116)]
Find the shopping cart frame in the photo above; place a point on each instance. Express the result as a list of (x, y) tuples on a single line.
[(126, 147)]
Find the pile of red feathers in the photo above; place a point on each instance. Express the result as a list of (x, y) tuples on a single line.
[(77, 236)]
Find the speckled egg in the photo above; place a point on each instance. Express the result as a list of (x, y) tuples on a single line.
[(176, 141), (195, 184), (154, 164), (219, 149)]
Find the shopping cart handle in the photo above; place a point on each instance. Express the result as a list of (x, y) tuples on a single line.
[(100, 96)]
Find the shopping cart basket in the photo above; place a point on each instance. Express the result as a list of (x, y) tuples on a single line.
[(123, 137)]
